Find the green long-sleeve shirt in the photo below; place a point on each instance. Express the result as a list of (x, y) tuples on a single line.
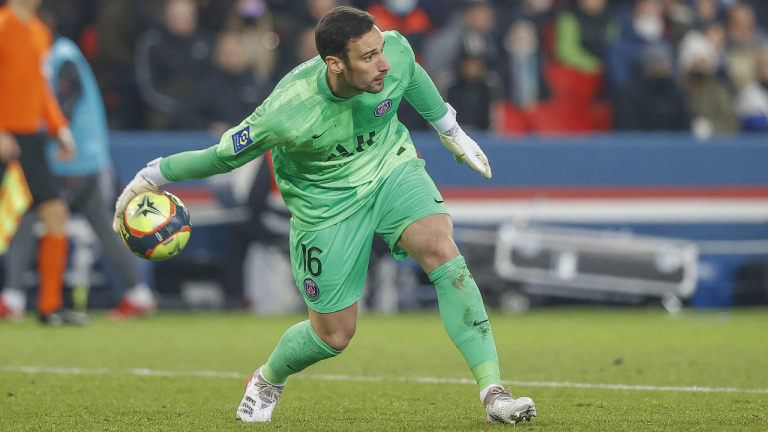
[(329, 154)]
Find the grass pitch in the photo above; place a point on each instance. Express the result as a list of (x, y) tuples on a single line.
[(586, 369)]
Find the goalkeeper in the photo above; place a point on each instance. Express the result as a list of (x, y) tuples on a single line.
[(347, 169)]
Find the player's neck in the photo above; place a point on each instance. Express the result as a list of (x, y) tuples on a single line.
[(21, 9), (340, 87)]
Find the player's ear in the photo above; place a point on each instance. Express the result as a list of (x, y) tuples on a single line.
[(335, 64)]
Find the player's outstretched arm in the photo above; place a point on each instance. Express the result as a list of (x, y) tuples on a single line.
[(464, 148), (148, 178), (423, 95)]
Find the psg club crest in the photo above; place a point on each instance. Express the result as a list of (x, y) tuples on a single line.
[(311, 289), (242, 139), (383, 108)]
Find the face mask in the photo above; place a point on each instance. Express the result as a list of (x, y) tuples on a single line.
[(401, 7), (649, 28)]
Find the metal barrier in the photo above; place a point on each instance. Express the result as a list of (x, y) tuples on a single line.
[(593, 264)]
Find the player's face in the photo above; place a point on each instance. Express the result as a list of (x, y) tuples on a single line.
[(367, 66)]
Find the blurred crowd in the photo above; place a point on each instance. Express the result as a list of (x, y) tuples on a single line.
[(512, 66)]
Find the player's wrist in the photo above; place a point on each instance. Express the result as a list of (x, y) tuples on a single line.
[(153, 175), (447, 122)]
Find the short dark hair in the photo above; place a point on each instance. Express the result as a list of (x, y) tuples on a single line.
[(338, 27)]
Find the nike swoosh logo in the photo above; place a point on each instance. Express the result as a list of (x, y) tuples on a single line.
[(295, 370), (318, 136), (478, 323), (439, 201)]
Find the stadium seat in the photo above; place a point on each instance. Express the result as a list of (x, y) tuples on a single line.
[(560, 117), (507, 119), (573, 85), (552, 117), (601, 113)]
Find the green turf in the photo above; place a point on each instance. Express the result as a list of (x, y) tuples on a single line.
[(577, 345)]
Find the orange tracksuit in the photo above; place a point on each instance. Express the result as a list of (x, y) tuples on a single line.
[(26, 101), (27, 104)]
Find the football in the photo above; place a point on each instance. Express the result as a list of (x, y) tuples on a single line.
[(155, 225)]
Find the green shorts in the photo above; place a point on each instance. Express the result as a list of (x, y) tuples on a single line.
[(330, 265)]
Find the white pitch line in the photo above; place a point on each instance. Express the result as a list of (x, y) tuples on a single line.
[(432, 380)]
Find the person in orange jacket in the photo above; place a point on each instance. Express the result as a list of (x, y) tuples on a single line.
[(28, 110)]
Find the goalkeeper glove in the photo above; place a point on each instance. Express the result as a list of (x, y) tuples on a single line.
[(464, 148), (148, 178)]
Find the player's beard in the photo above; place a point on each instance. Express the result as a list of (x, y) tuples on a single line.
[(351, 77)]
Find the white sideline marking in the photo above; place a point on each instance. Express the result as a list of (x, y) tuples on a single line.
[(215, 374)]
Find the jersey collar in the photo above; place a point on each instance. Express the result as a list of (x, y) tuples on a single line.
[(324, 89)]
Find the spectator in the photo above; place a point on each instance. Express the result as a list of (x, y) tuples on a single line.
[(752, 101), (655, 102), (642, 27), (171, 60), (253, 19), (471, 95), (760, 8), (404, 16), (710, 100), (524, 73), (744, 43), (715, 34), (439, 12), (527, 29), (743, 34), (306, 15), (471, 32), (291, 32), (706, 13), (214, 14), (120, 23), (306, 48), (541, 13), (626, 71), (228, 94), (583, 34), (678, 19)]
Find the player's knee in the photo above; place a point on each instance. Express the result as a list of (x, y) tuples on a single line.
[(54, 215), (340, 339), (439, 248)]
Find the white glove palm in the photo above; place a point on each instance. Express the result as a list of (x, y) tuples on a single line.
[(142, 182), (465, 149)]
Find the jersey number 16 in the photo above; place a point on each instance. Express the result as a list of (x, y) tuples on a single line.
[(311, 262)]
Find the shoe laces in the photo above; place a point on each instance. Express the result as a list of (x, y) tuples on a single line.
[(498, 392), (267, 392)]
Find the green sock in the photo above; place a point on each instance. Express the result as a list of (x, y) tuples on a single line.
[(465, 320), (298, 348)]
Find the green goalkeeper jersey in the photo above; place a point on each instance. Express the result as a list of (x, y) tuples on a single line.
[(329, 154)]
